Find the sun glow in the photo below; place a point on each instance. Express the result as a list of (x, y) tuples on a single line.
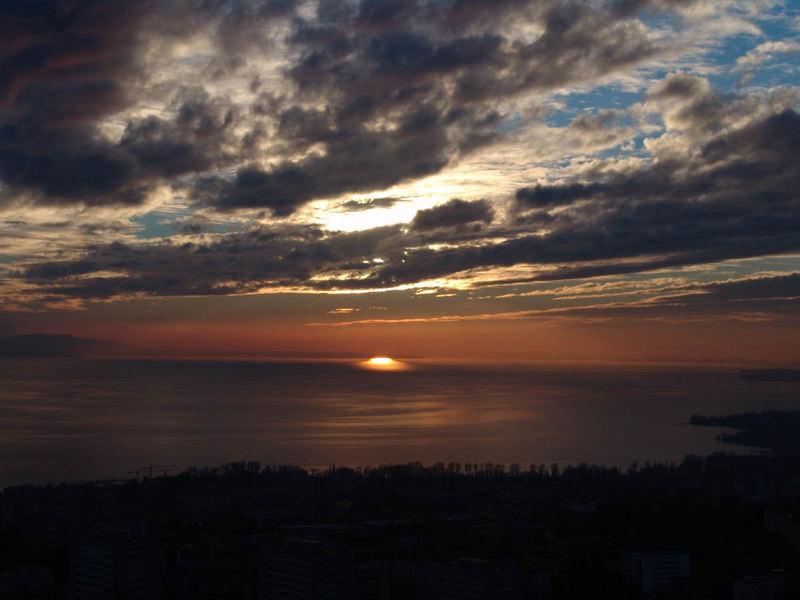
[(380, 360), (383, 363)]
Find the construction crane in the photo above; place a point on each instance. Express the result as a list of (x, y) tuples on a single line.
[(148, 468)]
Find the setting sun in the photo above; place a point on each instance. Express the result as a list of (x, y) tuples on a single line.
[(381, 360), (383, 363)]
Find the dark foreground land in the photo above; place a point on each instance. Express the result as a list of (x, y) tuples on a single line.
[(708, 528), (718, 527)]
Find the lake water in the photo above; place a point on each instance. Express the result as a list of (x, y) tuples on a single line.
[(77, 419)]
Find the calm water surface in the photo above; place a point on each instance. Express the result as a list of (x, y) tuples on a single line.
[(76, 419)]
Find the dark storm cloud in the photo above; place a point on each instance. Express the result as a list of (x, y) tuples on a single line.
[(193, 141), (631, 7), (735, 175), (65, 66), (280, 256), (62, 61), (410, 87), (455, 213), (545, 196), (72, 165), (434, 78), (235, 263), (359, 158), (578, 44), (376, 93), (407, 89), (732, 196), (359, 161)]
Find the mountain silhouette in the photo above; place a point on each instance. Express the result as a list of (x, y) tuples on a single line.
[(43, 345)]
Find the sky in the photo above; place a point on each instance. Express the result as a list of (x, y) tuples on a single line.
[(550, 180)]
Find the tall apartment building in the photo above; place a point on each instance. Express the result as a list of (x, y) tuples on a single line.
[(121, 563), (655, 572), (473, 579), (306, 569)]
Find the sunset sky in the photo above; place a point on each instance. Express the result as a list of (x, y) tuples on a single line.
[(546, 180)]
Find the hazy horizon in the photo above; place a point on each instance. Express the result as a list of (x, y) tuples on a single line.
[(120, 351)]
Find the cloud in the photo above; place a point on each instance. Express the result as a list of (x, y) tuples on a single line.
[(260, 107), (545, 196), (719, 190), (229, 264), (191, 225), (69, 68), (602, 129), (712, 193), (101, 104), (455, 213), (62, 67), (369, 204), (358, 162), (765, 52), (405, 97), (776, 287), (194, 141), (631, 7), (759, 299)]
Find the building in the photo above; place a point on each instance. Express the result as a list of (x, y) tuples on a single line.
[(474, 579), (305, 569), (115, 563), (765, 587), (656, 572)]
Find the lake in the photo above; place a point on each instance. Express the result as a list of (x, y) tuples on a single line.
[(81, 419)]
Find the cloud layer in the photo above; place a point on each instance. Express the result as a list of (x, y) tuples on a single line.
[(372, 93), (229, 124)]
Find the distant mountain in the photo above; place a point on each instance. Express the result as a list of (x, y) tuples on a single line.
[(43, 345)]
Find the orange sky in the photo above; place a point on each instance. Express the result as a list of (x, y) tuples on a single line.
[(530, 340)]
